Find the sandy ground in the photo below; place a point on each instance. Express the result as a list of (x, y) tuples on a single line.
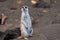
[(46, 22)]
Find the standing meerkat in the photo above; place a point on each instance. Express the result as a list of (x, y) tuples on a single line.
[(26, 24)]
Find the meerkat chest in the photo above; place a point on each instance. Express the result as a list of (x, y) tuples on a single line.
[(27, 18)]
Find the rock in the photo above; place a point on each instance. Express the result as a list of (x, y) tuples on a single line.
[(45, 10), (54, 1), (42, 4), (13, 33), (33, 1), (2, 35), (19, 1)]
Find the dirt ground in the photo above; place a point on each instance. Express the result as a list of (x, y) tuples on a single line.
[(46, 21)]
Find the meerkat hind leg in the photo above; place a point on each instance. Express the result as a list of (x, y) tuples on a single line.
[(31, 34), (26, 38)]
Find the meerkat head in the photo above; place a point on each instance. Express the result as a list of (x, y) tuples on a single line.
[(24, 8)]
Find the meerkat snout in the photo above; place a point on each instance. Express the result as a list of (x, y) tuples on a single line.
[(25, 9)]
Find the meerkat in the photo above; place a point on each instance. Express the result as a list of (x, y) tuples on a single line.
[(26, 24)]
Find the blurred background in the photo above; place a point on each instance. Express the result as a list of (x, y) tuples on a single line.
[(45, 16)]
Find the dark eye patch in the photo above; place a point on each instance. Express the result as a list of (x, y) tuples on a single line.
[(25, 7)]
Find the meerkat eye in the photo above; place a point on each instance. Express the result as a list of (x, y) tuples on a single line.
[(25, 7)]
